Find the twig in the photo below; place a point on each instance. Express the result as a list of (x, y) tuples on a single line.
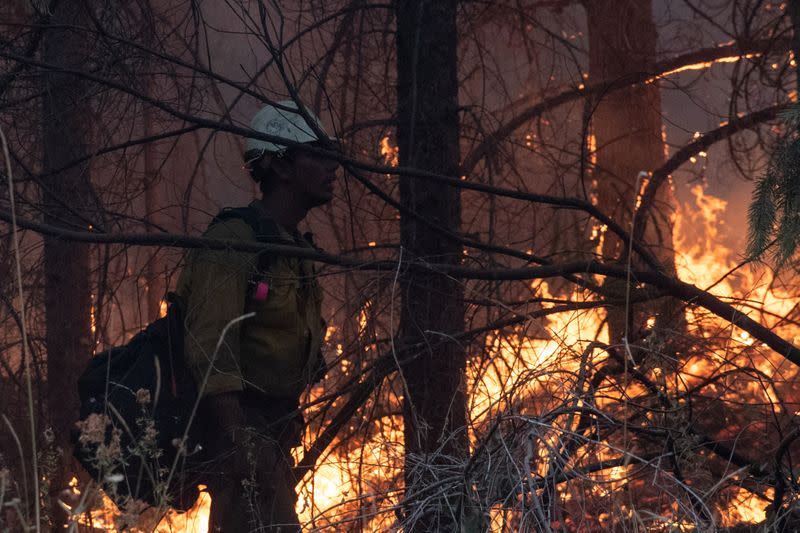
[(200, 390), (21, 457), (25, 350)]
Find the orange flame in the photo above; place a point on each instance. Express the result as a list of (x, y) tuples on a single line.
[(107, 517), (391, 154)]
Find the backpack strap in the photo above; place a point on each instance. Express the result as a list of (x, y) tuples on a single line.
[(266, 230)]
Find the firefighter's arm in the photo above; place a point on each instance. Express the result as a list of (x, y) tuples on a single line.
[(217, 298)]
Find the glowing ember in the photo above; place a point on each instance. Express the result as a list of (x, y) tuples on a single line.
[(92, 317), (703, 65)]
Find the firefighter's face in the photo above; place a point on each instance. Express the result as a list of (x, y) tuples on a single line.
[(313, 177)]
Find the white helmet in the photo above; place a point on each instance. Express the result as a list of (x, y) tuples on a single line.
[(282, 123)]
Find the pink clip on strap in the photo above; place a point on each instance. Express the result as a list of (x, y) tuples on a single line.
[(261, 292)]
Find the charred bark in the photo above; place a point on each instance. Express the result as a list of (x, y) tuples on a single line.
[(434, 403)]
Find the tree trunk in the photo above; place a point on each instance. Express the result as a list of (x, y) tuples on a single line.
[(627, 125), (627, 128), (153, 201), (154, 272), (434, 403), (65, 196)]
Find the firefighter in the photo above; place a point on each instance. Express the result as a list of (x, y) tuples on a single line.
[(252, 372)]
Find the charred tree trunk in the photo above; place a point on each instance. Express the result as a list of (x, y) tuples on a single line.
[(65, 196), (627, 127), (154, 273), (434, 403), (153, 201)]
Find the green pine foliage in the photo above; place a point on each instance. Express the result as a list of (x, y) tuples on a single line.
[(774, 214)]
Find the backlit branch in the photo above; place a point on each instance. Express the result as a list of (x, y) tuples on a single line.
[(699, 59), (702, 143)]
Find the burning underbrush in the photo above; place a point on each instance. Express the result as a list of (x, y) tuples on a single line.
[(687, 427)]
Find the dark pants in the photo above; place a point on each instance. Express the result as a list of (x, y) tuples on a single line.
[(251, 482)]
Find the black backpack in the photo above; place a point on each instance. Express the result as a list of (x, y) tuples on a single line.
[(137, 401)]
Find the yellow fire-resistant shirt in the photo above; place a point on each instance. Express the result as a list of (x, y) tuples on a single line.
[(276, 352)]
